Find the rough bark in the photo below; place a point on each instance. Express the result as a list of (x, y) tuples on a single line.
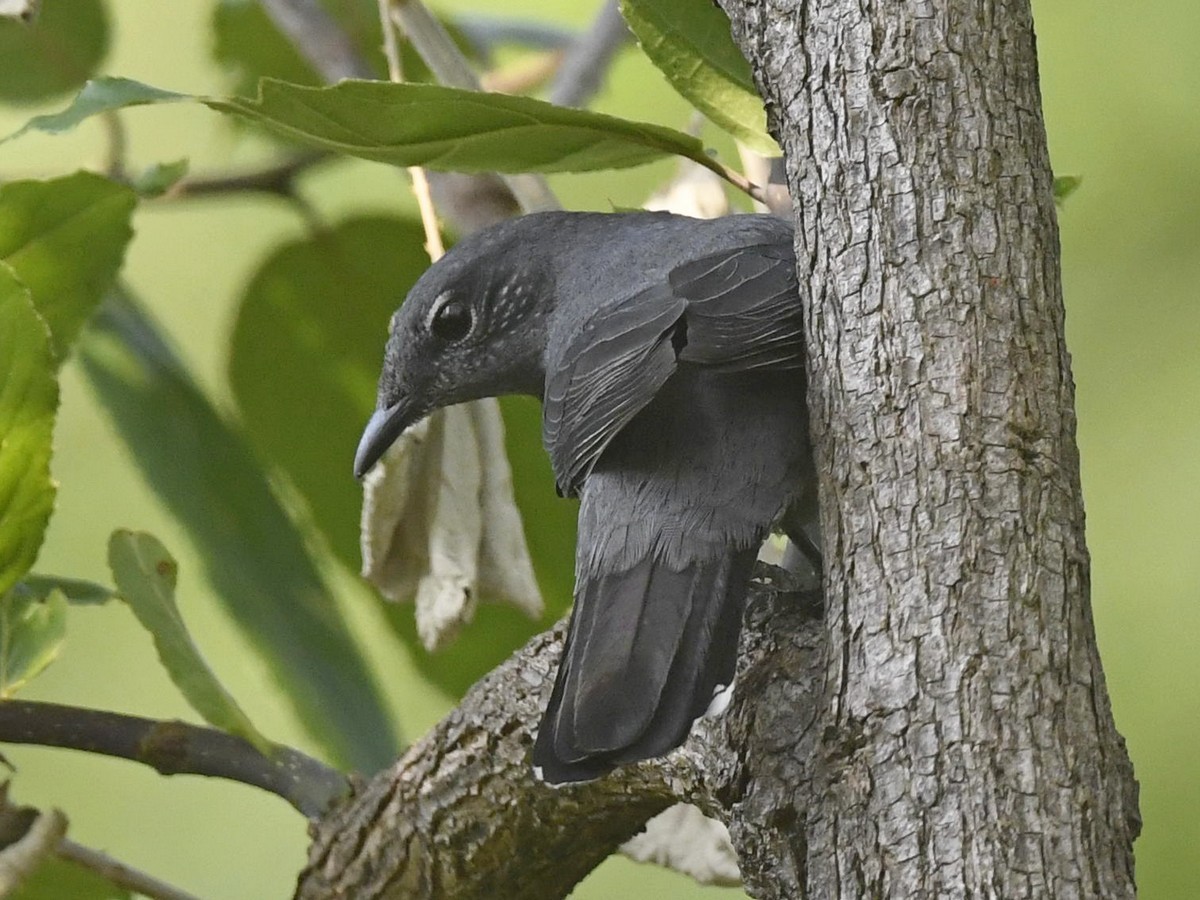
[(945, 730), (967, 747)]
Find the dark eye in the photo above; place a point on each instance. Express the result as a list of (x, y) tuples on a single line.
[(451, 320)]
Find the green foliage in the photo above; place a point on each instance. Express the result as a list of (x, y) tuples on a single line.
[(202, 467), (159, 178), (55, 53), (310, 324), (65, 240), (28, 401), (309, 337), (1065, 186), (145, 574), (690, 43), (454, 130), (77, 591), (99, 96), (32, 631), (441, 128)]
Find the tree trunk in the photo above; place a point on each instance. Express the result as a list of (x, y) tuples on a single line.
[(967, 747), (944, 730)]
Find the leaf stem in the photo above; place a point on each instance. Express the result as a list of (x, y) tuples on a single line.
[(175, 748), (734, 177), (420, 184)]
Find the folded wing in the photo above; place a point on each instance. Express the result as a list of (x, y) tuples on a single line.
[(736, 310)]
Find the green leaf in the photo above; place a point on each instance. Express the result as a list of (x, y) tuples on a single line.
[(420, 125), (32, 631), (454, 130), (690, 44), (202, 467), (1065, 186), (76, 590), (160, 178), (53, 54), (28, 401), (145, 575), (65, 240), (100, 95), (309, 336)]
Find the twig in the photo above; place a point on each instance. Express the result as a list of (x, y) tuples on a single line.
[(589, 57), (485, 33), (451, 68), (278, 179), (736, 178), (318, 38), (420, 184), (175, 748), (767, 172), (527, 75), (433, 233), (118, 143), (118, 873)]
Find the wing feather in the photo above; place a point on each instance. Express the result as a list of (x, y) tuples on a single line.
[(610, 370), (743, 309), (735, 310)]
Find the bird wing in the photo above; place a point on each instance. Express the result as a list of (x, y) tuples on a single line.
[(609, 371), (734, 310), (743, 309)]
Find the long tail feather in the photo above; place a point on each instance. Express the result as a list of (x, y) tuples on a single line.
[(646, 650)]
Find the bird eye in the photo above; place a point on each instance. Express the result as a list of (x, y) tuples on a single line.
[(452, 320)]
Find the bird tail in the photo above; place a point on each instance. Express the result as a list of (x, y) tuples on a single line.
[(646, 651)]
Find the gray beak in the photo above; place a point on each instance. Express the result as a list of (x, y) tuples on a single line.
[(381, 432)]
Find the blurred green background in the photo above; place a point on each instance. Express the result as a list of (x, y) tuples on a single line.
[(1120, 83)]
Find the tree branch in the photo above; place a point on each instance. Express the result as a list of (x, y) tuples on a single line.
[(318, 38), (460, 815), (589, 57), (278, 179), (485, 33), (175, 748)]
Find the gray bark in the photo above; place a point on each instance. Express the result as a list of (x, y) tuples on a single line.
[(967, 744), (944, 730)]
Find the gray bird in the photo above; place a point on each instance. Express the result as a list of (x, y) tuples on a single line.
[(667, 353)]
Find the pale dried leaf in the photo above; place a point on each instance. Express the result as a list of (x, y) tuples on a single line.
[(684, 839), (25, 10), (505, 569), (440, 525), (694, 191)]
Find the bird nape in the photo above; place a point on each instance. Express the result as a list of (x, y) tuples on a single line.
[(668, 356)]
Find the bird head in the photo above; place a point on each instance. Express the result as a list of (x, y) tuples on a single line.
[(474, 325)]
